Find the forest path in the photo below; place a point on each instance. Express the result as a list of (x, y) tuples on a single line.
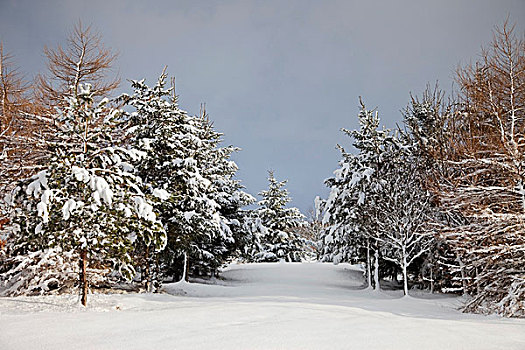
[(256, 306)]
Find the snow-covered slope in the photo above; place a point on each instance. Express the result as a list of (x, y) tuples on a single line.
[(255, 306)]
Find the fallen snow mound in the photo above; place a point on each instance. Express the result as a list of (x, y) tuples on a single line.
[(256, 306)]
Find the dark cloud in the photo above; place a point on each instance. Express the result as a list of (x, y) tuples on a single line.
[(280, 78)]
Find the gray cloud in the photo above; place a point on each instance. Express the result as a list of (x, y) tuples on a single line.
[(280, 78)]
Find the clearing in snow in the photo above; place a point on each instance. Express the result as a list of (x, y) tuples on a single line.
[(256, 306)]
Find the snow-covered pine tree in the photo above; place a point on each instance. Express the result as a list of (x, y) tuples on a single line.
[(193, 177), (366, 200), (170, 139), (350, 212), (279, 241), (342, 241), (227, 192), (254, 232), (428, 133), (85, 206)]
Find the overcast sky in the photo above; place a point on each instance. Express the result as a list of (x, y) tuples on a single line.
[(279, 78)]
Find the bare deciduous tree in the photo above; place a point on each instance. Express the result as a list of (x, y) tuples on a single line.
[(84, 60), (485, 180), (13, 89), (17, 124)]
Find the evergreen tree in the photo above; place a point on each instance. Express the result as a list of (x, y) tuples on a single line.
[(86, 204), (341, 239), (279, 241), (227, 192), (428, 134), (376, 205), (199, 200), (351, 212)]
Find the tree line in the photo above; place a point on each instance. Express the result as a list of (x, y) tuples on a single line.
[(121, 192), (440, 200)]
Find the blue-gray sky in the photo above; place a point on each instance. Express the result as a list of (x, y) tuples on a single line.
[(279, 78)]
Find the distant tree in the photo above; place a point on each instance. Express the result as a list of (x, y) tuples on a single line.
[(14, 107), (20, 144), (310, 231), (13, 92), (279, 241), (351, 210)]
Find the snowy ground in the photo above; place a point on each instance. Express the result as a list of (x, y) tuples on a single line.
[(257, 306)]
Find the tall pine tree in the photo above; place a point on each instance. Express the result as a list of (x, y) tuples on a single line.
[(199, 200)]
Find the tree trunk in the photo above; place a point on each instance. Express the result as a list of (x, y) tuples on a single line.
[(147, 271), (376, 270), (431, 279), (463, 277), (187, 273), (83, 277), (405, 279), (157, 280), (186, 268), (368, 265)]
